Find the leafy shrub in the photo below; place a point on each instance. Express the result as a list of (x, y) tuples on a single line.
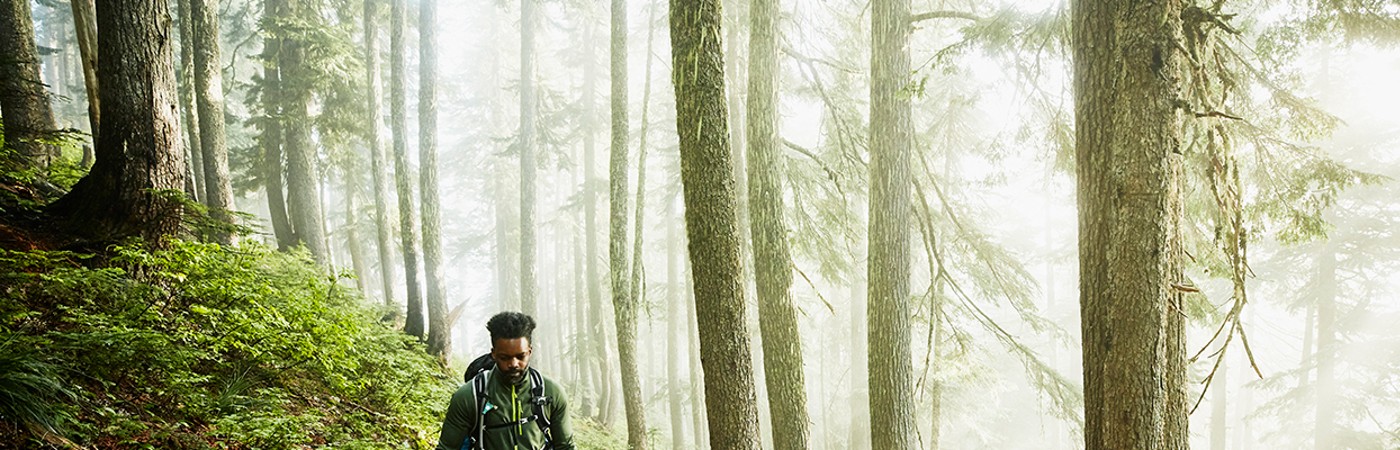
[(200, 346)]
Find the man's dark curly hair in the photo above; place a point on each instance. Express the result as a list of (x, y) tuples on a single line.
[(510, 325)]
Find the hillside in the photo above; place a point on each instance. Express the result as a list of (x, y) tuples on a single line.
[(198, 346)]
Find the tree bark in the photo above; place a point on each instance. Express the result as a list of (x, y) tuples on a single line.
[(209, 90), (1219, 404), (891, 140), (738, 123), (353, 244), (859, 430), (624, 305), (712, 223), (1128, 71), (777, 319), (584, 367), (140, 158), (379, 159), (527, 156), (697, 373), (24, 101), (272, 125), (85, 26), (303, 199), (674, 315), (408, 217), (184, 77), (439, 337), (596, 334)]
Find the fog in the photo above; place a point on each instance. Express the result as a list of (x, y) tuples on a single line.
[(996, 338)]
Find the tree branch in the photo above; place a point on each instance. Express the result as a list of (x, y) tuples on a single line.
[(916, 18)]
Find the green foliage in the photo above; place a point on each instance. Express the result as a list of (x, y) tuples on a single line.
[(31, 393), (62, 172), (199, 345), (592, 436)]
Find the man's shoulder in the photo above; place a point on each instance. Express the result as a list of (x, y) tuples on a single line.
[(551, 388)]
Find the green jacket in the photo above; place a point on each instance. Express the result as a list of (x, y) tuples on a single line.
[(507, 403)]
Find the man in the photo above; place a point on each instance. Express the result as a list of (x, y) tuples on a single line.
[(522, 409)]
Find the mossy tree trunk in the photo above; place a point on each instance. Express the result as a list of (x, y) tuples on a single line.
[(379, 158), (675, 346), (184, 78), (85, 26), (888, 328), (597, 336), (403, 173), (303, 177), (24, 101), (140, 157), (1128, 70), (712, 223), (439, 337), (272, 130), (782, 346), (209, 93), (527, 156), (624, 304)]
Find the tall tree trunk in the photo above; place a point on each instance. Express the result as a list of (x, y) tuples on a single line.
[(439, 337), (935, 384), (140, 154), (1326, 410), (584, 367), (888, 329), (624, 305), (637, 291), (1218, 419), (527, 156), (697, 373), (674, 315), (596, 334), (303, 200), (777, 319), (738, 123), (712, 223), (209, 90), (379, 158), (1128, 72), (57, 37), (194, 154), (85, 26), (272, 124), (323, 197), (24, 102), (859, 436), (352, 224), (403, 174)]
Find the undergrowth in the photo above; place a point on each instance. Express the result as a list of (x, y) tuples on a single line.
[(198, 346)]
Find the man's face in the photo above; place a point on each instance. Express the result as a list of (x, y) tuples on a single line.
[(512, 357)]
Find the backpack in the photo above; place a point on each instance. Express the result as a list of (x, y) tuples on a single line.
[(477, 373)]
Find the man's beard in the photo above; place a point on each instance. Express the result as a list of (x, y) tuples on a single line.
[(514, 377)]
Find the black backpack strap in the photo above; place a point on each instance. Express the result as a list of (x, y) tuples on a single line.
[(538, 398), (479, 386)]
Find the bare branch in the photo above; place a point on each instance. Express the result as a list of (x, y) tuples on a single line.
[(916, 18)]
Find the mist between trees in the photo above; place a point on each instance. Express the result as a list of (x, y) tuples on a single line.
[(793, 224)]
